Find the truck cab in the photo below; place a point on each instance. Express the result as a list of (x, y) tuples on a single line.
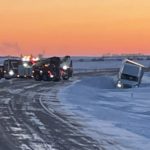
[(130, 74), (66, 67), (11, 68), (25, 68), (1, 71)]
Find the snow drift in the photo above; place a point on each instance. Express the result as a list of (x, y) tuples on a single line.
[(121, 116)]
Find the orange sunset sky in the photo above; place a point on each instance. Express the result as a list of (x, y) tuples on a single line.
[(74, 27)]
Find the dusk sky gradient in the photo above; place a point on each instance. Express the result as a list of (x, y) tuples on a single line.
[(74, 27)]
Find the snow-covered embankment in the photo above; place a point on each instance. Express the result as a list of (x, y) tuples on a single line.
[(120, 116)]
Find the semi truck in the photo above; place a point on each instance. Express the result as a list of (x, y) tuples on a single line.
[(25, 67), (11, 68), (19, 67), (130, 74), (48, 69), (1, 71)]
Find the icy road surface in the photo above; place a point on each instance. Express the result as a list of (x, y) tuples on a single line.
[(32, 117), (119, 119)]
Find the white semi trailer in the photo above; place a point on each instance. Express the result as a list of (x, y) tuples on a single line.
[(130, 74)]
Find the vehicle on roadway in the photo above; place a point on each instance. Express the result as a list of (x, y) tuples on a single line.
[(25, 67), (11, 68), (66, 68), (130, 74), (48, 69), (1, 71)]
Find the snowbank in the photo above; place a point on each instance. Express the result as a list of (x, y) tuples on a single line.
[(118, 117)]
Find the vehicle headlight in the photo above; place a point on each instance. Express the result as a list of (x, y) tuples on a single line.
[(41, 71), (65, 67), (11, 72), (25, 64), (52, 76), (119, 84)]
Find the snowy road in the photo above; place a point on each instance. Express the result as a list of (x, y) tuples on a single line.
[(33, 118), (85, 113)]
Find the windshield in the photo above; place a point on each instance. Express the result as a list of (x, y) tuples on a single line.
[(1, 68), (14, 64), (66, 61), (130, 69), (129, 77)]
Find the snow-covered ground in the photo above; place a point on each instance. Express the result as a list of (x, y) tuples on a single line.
[(117, 118), (84, 64)]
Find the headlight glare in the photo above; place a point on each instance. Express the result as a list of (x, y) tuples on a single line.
[(65, 67), (11, 72)]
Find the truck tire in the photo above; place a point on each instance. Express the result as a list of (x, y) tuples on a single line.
[(66, 77), (56, 79), (37, 77)]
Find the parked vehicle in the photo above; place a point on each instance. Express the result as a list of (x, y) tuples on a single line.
[(1, 71), (11, 68), (66, 68), (130, 74), (48, 69)]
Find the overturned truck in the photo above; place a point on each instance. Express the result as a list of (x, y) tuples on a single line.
[(130, 74)]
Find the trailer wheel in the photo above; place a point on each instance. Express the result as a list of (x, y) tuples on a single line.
[(66, 77), (56, 79), (37, 77)]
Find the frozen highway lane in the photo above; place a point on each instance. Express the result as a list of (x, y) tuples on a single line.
[(33, 118)]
